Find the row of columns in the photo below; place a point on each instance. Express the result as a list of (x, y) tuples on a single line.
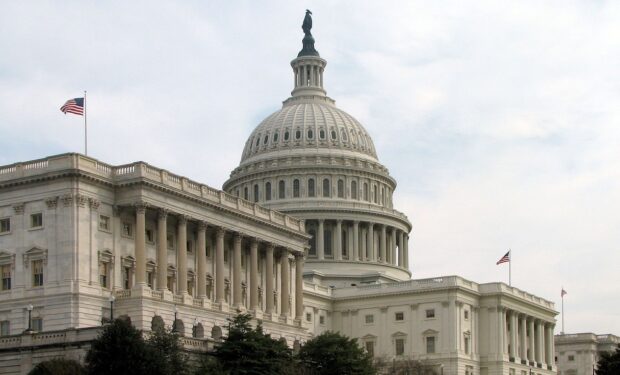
[(537, 347), (311, 73), (162, 271), (397, 253)]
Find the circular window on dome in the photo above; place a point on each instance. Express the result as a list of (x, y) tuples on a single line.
[(287, 135), (322, 134), (276, 135), (333, 135), (298, 134), (310, 134)]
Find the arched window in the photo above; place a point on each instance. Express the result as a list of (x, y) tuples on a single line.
[(374, 193), (333, 135), (246, 194), (298, 134), (312, 234), (310, 134), (344, 135), (311, 187), (295, 188), (366, 197), (340, 189), (255, 192), (327, 242), (281, 189), (257, 141), (326, 188), (322, 134), (353, 189), (276, 135), (268, 191), (287, 135), (266, 139), (382, 195)]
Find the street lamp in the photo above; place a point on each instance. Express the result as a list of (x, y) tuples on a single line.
[(174, 323), (29, 308), (111, 299)]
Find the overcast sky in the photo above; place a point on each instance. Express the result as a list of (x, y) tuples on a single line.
[(499, 120)]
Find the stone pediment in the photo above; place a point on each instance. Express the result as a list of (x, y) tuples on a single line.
[(7, 258), (35, 253), (430, 332), (397, 334)]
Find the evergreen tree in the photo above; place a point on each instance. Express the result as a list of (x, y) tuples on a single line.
[(168, 352), (58, 366), (331, 353), (120, 349), (248, 350), (609, 363)]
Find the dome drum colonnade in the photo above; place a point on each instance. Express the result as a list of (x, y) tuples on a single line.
[(219, 236), (318, 163)]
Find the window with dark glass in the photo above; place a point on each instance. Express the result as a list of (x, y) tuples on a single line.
[(312, 234), (268, 191), (310, 134), (295, 188), (275, 136), (327, 242), (322, 134), (255, 192), (353, 189), (37, 273), (5, 225), (326, 189), (6, 277), (286, 135), (298, 134), (311, 187), (340, 189), (281, 189), (333, 135)]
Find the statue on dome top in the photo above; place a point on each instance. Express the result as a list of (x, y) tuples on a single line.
[(307, 25)]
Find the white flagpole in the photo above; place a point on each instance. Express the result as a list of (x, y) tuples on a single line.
[(562, 310), (85, 128), (509, 267)]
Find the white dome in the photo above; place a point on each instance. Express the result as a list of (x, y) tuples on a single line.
[(309, 126)]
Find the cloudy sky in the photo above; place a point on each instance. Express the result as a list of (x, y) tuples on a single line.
[(499, 120)]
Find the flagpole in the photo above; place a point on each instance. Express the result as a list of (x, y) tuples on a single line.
[(562, 310), (510, 268), (85, 128)]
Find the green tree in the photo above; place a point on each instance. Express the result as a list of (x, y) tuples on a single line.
[(609, 363), (332, 353), (168, 352), (249, 351), (58, 366), (120, 349)]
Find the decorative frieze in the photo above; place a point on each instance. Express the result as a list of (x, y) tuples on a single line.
[(81, 200), (67, 200), (51, 203), (94, 203), (19, 208)]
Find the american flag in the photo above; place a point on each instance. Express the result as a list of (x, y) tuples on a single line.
[(563, 293), (504, 259), (75, 106)]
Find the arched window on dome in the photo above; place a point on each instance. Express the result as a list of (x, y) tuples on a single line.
[(268, 191), (287, 135), (382, 196), (374, 193), (255, 192), (312, 251), (326, 189), (257, 141), (311, 187), (295, 188), (266, 139), (322, 134), (333, 134), (340, 189), (353, 189), (276, 135), (281, 189), (344, 135), (366, 197), (310, 134), (246, 194), (297, 134)]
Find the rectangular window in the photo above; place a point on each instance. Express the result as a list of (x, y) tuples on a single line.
[(571, 357), (37, 324), (149, 235), (430, 313), (466, 314), (5, 225), (103, 274), (308, 317), (104, 222), (400, 346), (190, 247), (430, 344), (190, 287), (225, 256), (466, 345), (321, 319), (6, 277), (37, 273), (170, 283), (369, 319), (5, 328), (370, 348), (36, 220), (170, 241), (208, 252), (149, 279), (127, 229), (126, 278), (399, 316)]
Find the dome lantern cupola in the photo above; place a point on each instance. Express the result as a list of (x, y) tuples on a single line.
[(308, 67)]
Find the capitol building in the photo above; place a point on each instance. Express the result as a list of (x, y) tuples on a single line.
[(304, 236)]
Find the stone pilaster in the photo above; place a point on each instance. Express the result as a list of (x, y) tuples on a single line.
[(162, 249)]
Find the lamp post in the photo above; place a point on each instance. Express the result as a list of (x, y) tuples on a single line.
[(111, 299), (29, 308), (174, 323)]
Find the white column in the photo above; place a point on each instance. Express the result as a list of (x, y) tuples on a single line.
[(531, 345), (201, 247), (522, 337), (363, 250), (162, 250), (382, 244), (513, 334), (538, 341), (393, 259), (219, 265), (140, 244), (338, 244), (401, 241), (284, 283), (237, 271), (254, 275), (356, 240), (406, 251), (320, 241), (182, 254), (269, 279), (370, 241), (299, 286)]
